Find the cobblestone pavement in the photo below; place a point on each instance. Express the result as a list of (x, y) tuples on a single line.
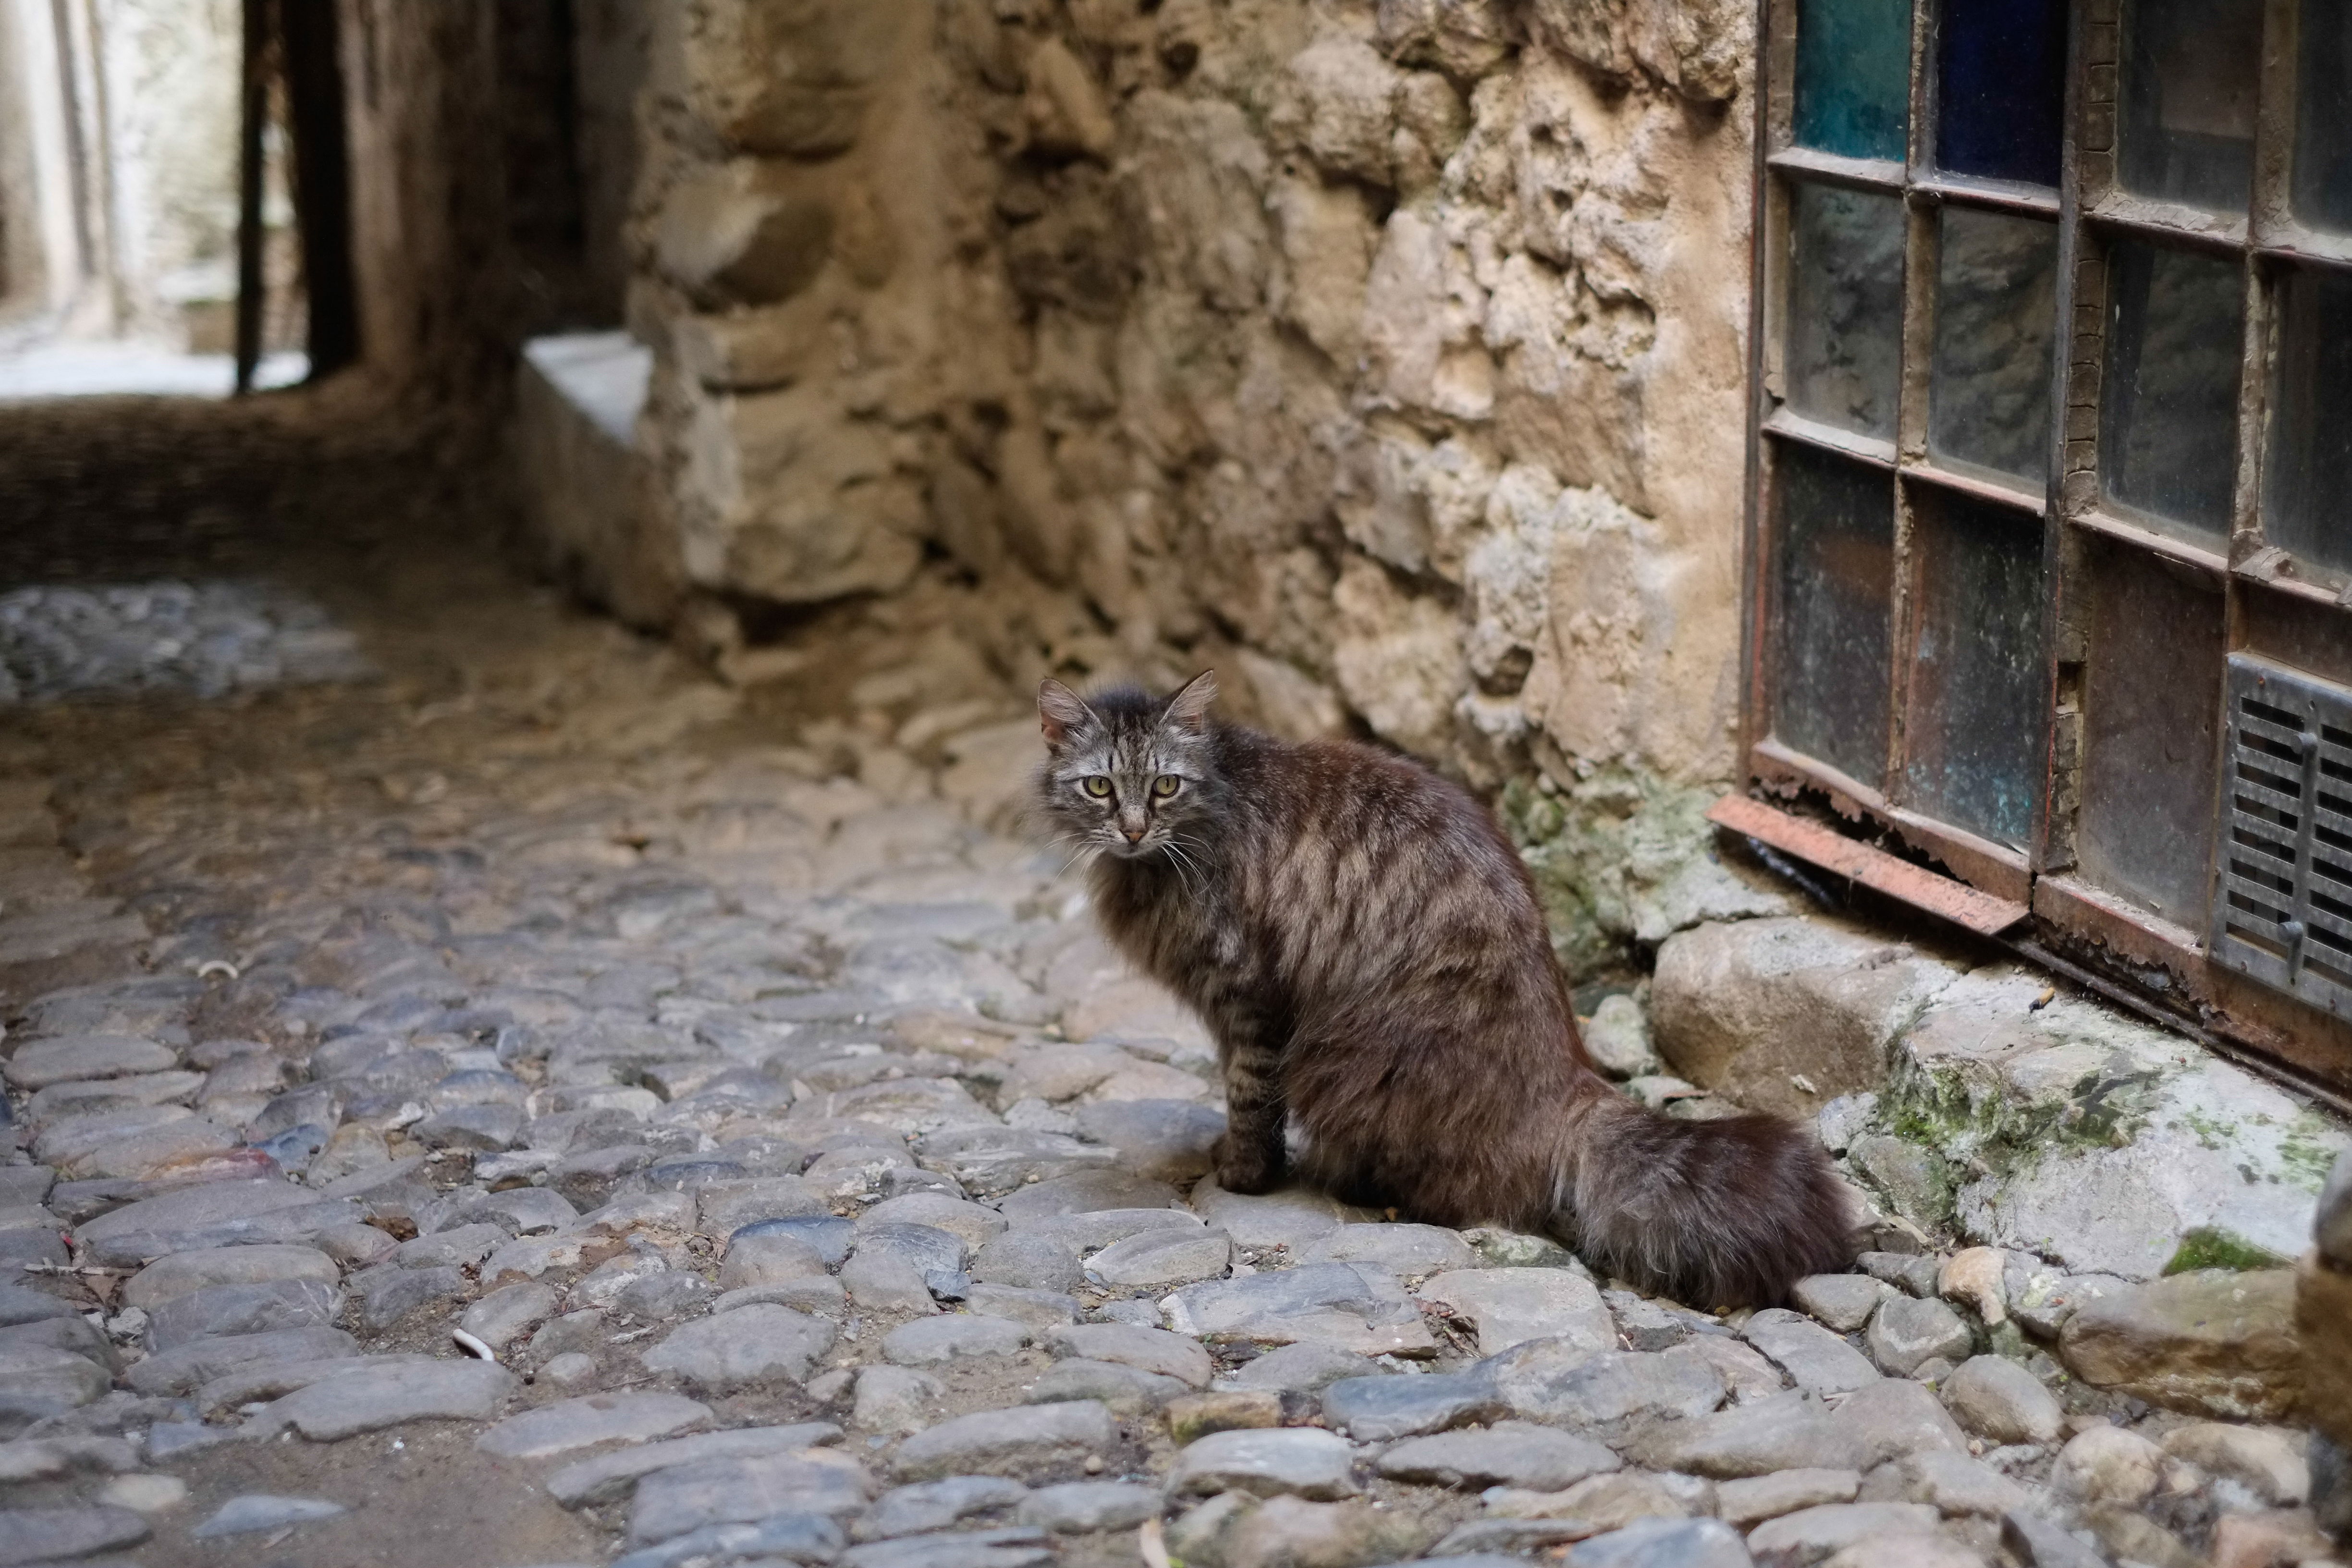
[(539, 1105)]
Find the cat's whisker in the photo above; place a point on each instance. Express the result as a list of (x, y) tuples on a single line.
[(1185, 865)]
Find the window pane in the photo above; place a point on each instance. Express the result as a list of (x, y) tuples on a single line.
[(1845, 307), (2151, 695), (2002, 89), (1996, 320), (2188, 100), (2323, 133), (1854, 77), (2168, 426), (1980, 686), (1835, 522), (2309, 510)]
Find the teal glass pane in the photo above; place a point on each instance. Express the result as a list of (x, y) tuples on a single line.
[(1854, 77)]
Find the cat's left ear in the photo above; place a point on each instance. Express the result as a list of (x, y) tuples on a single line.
[(1189, 708)]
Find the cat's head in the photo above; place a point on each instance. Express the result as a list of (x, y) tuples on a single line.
[(1125, 770)]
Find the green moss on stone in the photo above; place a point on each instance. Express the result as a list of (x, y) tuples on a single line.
[(1595, 847), (2303, 1159), (1967, 1115), (2209, 1247), (2211, 1133)]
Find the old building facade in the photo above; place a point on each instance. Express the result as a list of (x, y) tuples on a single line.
[(1391, 358)]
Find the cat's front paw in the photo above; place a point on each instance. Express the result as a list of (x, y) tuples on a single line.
[(1245, 1169)]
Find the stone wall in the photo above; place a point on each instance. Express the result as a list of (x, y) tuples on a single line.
[(1389, 357), (23, 258), (171, 109)]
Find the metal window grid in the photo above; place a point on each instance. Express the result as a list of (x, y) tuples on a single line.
[(2272, 602)]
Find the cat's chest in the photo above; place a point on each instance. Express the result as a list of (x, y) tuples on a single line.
[(1173, 934)]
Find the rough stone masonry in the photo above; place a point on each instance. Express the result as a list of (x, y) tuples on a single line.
[(1388, 357), (535, 1106)]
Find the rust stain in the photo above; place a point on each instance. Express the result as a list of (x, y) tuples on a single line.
[(1874, 868)]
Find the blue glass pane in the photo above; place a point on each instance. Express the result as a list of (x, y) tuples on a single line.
[(2002, 89), (1835, 522), (1854, 77), (2322, 112), (2188, 100), (1980, 681)]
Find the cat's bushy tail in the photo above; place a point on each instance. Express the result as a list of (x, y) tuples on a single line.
[(1717, 1214)]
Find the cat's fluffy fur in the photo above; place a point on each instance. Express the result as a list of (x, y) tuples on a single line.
[(1366, 948)]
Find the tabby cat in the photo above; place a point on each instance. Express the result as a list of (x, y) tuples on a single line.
[(1365, 946)]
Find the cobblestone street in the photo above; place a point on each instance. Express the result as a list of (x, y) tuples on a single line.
[(537, 1105)]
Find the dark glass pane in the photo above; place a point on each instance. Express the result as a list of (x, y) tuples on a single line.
[(2002, 90), (2188, 100), (1996, 320), (2151, 696), (2168, 424), (1854, 77), (2309, 510), (1835, 522), (1980, 686), (2323, 131), (1845, 307)]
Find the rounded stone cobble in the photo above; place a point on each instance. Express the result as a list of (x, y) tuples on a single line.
[(710, 1078)]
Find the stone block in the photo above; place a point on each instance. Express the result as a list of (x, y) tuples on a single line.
[(1299, 1461), (2110, 1145), (757, 1343), (1346, 106), (1746, 1008), (1508, 1454), (2211, 1342), (1037, 1439), (671, 1502), (785, 495), (2265, 1460), (1606, 1393), (2001, 1402), (585, 489), (791, 80), (1511, 1306), (2323, 1320), (1289, 1530)]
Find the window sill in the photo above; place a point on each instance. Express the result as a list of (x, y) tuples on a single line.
[(1870, 867)]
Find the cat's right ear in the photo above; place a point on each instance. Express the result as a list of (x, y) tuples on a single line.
[(1059, 712), (1189, 708)]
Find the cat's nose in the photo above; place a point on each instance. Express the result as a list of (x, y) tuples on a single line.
[(1134, 834)]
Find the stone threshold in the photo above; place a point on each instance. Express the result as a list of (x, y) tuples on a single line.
[(1984, 1104)]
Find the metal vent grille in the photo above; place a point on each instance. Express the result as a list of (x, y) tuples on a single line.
[(2283, 903)]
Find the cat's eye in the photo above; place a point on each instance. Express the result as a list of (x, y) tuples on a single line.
[(1097, 787), (1165, 785)]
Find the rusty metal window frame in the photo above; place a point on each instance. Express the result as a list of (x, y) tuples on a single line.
[(2273, 604)]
